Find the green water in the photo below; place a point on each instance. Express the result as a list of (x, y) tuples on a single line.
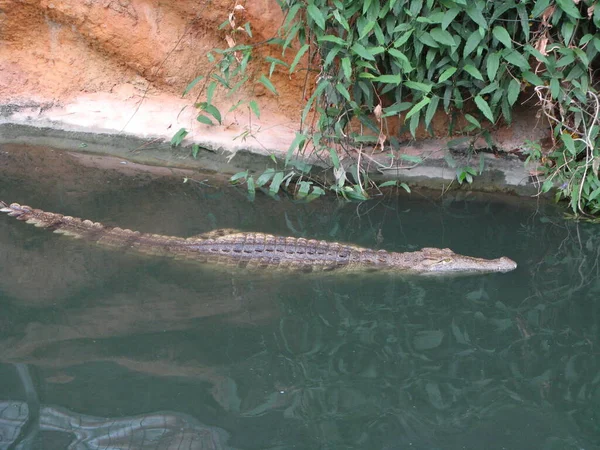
[(105, 350)]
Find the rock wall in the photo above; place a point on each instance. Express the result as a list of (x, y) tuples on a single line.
[(115, 65)]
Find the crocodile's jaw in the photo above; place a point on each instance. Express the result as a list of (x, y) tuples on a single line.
[(465, 265)]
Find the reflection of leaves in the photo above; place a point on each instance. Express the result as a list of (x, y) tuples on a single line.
[(461, 338), (502, 324), (272, 401), (426, 340), (405, 342), (477, 295), (435, 396)]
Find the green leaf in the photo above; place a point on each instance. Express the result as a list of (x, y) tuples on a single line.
[(414, 123), (555, 88), (276, 61), (473, 71), (364, 27), (210, 91), (418, 86), (443, 37), (391, 79), (316, 15), (539, 7), (396, 108), (195, 150), (471, 44), (472, 120), (323, 84), (331, 55), (569, 143), (238, 176), (251, 186), (568, 6), (335, 160), (593, 195), (237, 85), (291, 14), (204, 120), (297, 143), (547, 185), (298, 56), (431, 109), (447, 74), (247, 28), (475, 14), (366, 75), (267, 83), (536, 53), (388, 183), (276, 183), (265, 177), (514, 89), (213, 112), (291, 34), (254, 107), (221, 80), (304, 188), (418, 107), (405, 187), (362, 52), (484, 108), (514, 57), (492, 87), (532, 78), (493, 63), (178, 137), (427, 39), (449, 16), (566, 60), (332, 38), (342, 90), (347, 68), (236, 105), (403, 39), (342, 20), (192, 84), (502, 35), (403, 60)]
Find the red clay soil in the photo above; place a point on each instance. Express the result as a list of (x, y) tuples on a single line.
[(92, 62)]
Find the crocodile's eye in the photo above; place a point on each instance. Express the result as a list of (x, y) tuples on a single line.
[(443, 261)]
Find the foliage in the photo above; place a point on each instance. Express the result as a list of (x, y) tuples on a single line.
[(412, 58)]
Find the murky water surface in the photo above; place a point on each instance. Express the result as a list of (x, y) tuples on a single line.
[(106, 350)]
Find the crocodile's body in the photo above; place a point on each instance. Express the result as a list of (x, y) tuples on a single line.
[(256, 250)]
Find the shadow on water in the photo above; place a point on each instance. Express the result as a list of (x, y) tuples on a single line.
[(106, 350)]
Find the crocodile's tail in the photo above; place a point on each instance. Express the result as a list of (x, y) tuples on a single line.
[(90, 231), (67, 225)]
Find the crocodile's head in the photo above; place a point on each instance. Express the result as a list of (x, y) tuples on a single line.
[(444, 261)]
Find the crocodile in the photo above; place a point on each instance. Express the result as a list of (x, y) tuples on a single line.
[(237, 249)]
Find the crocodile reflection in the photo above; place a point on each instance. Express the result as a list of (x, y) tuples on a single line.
[(161, 430)]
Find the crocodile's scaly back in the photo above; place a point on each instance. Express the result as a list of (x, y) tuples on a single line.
[(260, 251), (222, 247)]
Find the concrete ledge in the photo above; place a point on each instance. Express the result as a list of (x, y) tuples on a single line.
[(502, 172)]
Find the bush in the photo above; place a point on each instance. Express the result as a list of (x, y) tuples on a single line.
[(473, 59)]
